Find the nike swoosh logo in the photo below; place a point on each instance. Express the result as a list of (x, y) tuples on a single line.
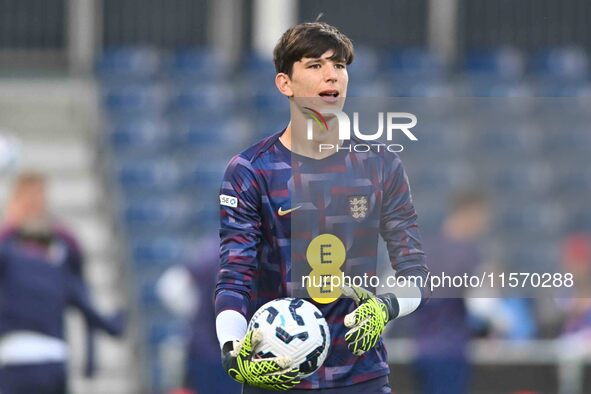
[(281, 212)]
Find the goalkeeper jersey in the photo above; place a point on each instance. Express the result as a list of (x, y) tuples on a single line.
[(276, 205)]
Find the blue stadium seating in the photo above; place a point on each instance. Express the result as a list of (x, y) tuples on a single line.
[(511, 176), (402, 64), (266, 98), (203, 99), (486, 88), (148, 175), (579, 215), (202, 176), (132, 63), (530, 255), (257, 68), (508, 138), (574, 176), (156, 213), (531, 219), (209, 133), (135, 99), (139, 136), (440, 179), (158, 251), (573, 141), (496, 65), (196, 64), (564, 64), (174, 121)]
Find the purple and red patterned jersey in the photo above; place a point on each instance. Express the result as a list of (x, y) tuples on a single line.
[(274, 202)]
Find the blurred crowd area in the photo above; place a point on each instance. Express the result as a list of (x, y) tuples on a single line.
[(503, 113)]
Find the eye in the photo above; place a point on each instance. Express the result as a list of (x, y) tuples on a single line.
[(315, 66), (340, 66)]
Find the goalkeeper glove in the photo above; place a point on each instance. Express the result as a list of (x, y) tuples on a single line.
[(366, 323), (269, 373)]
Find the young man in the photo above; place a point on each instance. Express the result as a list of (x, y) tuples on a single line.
[(343, 200), (40, 277)]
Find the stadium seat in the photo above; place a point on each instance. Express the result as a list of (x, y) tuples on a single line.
[(527, 254), (566, 138), (508, 137), (419, 88), (203, 176), (265, 98), (209, 133), (132, 63), (205, 215), (197, 64), (563, 64), (131, 136), (135, 99), (534, 219), (578, 216), (148, 175), (257, 67), (402, 64), (496, 65), (486, 88), (440, 179), (157, 251), (549, 87), (574, 176), (512, 175), (203, 99), (156, 213)]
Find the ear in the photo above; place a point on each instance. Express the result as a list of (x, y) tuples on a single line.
[(283, 83)]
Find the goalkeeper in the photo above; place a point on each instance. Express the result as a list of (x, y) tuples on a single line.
[(258, 212)]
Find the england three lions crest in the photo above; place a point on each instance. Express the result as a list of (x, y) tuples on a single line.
[(358, 207)]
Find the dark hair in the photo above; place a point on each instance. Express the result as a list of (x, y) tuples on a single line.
[(310, 39)]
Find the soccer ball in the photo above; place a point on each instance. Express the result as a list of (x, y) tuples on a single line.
[(294, 328)]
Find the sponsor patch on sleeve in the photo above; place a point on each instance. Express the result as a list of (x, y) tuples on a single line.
[(228, 201)]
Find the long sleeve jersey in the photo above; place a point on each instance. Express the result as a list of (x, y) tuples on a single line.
[(38, 285), (275, 205)]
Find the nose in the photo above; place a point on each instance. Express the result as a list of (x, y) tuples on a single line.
[(330, 74)]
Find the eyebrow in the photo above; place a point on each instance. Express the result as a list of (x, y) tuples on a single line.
[(321, 59), (312, 60)]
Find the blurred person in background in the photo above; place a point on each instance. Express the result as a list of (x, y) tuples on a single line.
[(576, 259), (40, 277), (441, 327), (187, 291), (27, 210)]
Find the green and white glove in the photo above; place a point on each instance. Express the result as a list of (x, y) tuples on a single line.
[(270, 373), (367, 321)]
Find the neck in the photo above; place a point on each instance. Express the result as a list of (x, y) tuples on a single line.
[(323, 143)]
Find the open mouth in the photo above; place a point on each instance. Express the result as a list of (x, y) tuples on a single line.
[(329, 96)]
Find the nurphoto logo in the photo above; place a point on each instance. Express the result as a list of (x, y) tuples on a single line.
[(395, 121)]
